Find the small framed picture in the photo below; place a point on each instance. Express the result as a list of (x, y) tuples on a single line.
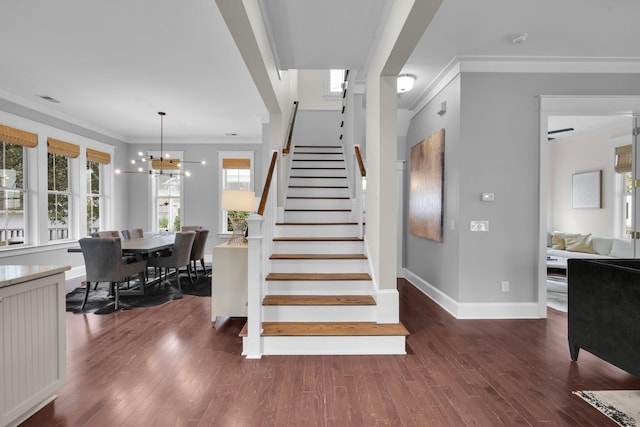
[(587, 187)]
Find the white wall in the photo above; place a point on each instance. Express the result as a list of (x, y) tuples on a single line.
[(312, 87), (496, 150), (582, 153)]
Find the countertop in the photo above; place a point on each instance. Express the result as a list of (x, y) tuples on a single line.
[(15, 274)]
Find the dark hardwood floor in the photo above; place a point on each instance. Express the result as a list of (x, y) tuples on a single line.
[(166, 366)]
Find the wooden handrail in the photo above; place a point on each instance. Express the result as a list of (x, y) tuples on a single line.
[(292, 121), (363, 170), (267, 183)]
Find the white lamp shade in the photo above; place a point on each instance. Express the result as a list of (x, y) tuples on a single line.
[(405, 82), (238, 200)]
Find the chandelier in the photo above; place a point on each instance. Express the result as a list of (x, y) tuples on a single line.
[(163, 164)]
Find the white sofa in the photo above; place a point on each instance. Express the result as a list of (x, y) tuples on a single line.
[(574, 245)]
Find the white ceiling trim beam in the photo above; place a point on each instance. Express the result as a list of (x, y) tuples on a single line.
[(244, 20)]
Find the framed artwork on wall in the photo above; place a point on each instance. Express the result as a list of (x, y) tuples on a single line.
[(587, 188), (426, 191)]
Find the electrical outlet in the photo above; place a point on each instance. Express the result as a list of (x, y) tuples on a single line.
[(505, 286)]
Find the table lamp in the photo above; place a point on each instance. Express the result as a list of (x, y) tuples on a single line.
[(235, 202)]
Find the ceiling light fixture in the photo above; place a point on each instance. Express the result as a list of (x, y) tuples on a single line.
[(162, 165), (519, 38), (405, 82)]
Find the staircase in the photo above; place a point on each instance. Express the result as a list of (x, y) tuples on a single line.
[(319, 296)]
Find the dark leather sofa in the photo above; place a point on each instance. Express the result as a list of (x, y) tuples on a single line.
[(604, 310)]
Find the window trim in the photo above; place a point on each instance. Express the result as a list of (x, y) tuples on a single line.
[(222, 218), (36, 188)]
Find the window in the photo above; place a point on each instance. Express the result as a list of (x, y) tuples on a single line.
[(12, 194), (95, 191), (623, 164), (59, 188), (336, 78), (167, 190), (236, 174)]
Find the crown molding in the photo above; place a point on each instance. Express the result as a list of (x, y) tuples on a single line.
[(38, 107), (503, 64), (208, 141)]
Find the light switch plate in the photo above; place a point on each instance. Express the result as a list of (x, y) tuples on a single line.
[(479, 225)]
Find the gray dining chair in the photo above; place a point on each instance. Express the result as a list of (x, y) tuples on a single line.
[(126, 235), (108, 233), (136, 233), (197, 251), (178, 258), (104, 263), (191, 227)]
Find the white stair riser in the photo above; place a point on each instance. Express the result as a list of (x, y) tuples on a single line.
[(337, 230), (319, 266), (315, 157), (317, 203), (317, 216), (318, 149), (319, 172), (318, 192), (315, 287), (317, 164), (319, 182), (333, 345), (339, 247), (319, 313)]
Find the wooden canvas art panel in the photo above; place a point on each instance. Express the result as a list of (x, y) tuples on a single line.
[(427, 187)]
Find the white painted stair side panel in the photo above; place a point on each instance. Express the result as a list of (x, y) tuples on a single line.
[(333, 345)]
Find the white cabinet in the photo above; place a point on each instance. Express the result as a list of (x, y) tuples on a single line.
[(229, 281), (33, 364)]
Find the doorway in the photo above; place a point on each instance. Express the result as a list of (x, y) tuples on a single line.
[(554, 112)]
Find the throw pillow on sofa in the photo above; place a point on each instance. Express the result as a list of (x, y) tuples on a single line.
[(558, 240), (579, 243)]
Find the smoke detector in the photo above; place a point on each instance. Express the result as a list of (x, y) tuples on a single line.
[(519, 38)]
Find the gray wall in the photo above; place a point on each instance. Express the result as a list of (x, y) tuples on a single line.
[(492, 145), (317, 127), (201, 190)]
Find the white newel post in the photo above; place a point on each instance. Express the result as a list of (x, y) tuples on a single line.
[(252, 346)]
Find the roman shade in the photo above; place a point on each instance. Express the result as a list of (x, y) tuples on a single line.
[(624, 159), (18, 137), (98, 156), (62, 148), (236, 163), (167, 164)]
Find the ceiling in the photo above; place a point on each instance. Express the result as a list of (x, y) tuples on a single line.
[(113, 65)]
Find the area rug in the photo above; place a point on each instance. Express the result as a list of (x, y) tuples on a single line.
[(557, 293), (100, 302), (621, 406)]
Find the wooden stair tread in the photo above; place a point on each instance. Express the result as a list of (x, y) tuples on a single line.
[(317, 239), (243, 331), (318, 256), (318, 300), (318, 276), (318, 146), (333, 329), (318, 152)]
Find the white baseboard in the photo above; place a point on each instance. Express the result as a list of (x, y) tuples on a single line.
[(474, 310)]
